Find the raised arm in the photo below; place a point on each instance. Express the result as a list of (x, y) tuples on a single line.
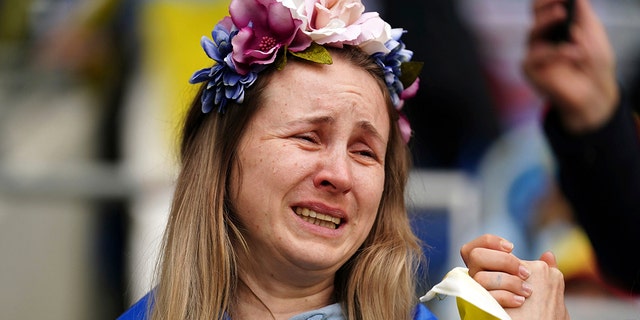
[(576, 76)]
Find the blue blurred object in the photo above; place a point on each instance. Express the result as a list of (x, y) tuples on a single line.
[(432, 227), (515, 175), (526, 189)]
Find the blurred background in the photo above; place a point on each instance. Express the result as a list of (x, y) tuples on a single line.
[(91, 95)]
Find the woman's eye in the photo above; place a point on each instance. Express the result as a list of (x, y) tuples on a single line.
[(368, 153), (309, 137)]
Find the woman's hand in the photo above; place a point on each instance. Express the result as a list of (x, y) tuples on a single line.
[(547, 299), (493, 266), (525, 289)]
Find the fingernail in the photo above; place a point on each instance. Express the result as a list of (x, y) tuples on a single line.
[(524, 272), (506, 245), (528, 290), (519, 299)]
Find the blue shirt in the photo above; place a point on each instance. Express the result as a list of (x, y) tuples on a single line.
[(331, 312)]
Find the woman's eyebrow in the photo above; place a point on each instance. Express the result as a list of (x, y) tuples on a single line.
[(313, 120), (371, 129)]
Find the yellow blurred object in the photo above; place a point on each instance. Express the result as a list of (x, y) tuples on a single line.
[(574, 254), (171, 33), (95, 14), (14, 22)]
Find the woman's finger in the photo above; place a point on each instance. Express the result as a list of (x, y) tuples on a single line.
[(482, 259), (507, 299), (487, 241), (503, 281)]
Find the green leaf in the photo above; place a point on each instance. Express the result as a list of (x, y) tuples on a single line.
[(410, 72), (281, 60), (315, 53)]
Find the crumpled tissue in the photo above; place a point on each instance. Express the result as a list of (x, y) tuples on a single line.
[(474, 301)]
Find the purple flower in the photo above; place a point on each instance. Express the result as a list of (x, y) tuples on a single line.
[(391, 64), (224, 82), (264, 26)]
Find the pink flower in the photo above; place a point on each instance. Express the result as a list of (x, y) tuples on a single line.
[(264, 26), (375, 33), (403, 122), (332, 11), (410, 91), (340, 22), (405, 128)]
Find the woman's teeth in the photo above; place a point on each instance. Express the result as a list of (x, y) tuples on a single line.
[(318, 219)]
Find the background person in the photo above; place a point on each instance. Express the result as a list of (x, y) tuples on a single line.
[(592, 133)]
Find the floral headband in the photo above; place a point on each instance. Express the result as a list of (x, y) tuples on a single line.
[(252, 37)]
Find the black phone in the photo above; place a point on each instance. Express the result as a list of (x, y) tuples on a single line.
[(560, 32)]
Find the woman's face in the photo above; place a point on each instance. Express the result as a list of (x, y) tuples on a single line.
[(312, 167)]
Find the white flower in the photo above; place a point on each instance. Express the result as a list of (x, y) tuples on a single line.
[(340, 22)]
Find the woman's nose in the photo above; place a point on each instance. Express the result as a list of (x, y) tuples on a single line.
[(334, 173)]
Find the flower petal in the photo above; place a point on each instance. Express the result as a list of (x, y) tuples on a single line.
[(231, 78), (410, 91), (232, 92), (405, 128), (206, 100), (300, 42), (200, 76), (247, 11), (210, 48), (280, 22)]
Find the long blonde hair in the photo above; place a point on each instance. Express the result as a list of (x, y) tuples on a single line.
[(197, 275)]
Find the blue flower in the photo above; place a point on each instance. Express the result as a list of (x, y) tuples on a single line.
[(224, 83), (391, 64)]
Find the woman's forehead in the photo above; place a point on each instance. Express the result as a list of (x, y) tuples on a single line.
[(304, 90), (324, 85)]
